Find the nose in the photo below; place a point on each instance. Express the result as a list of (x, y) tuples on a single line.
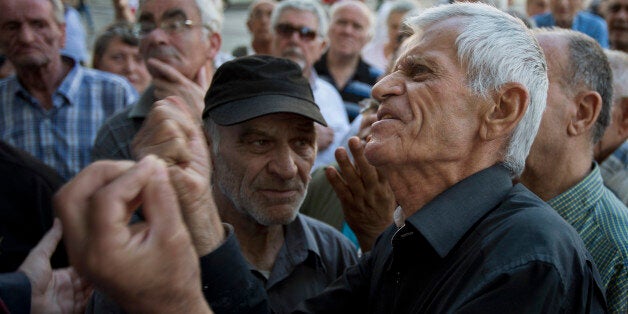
[(283, 163), (390, 85), (156, 36), (26, 34)]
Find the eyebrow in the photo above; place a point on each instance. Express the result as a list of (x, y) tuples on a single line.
[(408, 63)]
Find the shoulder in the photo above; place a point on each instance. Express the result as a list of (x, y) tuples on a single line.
[(543, 19), (611, 216), (590, 17), (326, 93), (99, 77), (326, 237), (526, 229)]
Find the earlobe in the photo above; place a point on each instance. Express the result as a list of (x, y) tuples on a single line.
[(511, 102), (589, 107)]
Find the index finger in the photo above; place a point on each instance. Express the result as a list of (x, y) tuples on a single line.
[(162, 70), (71, 202)]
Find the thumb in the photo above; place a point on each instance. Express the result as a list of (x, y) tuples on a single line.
[(202, 78), (48, 243)]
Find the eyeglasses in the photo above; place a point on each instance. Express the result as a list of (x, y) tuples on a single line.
[(286, 30), (170, 26)]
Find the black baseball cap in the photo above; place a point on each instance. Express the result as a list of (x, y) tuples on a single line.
[(250, 87)]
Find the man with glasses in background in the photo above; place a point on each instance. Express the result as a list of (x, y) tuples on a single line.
[(53, 107), (179, 41), (299, 29)]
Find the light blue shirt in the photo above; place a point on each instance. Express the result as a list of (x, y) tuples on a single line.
[(584, 22), (62, 137)]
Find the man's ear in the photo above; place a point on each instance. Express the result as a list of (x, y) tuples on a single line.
[(589, 105), (511, 103), (215, 41), (622, 124)]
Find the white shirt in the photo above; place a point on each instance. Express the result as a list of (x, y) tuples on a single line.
[(333, 110)]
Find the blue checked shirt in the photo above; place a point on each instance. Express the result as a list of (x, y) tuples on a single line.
[(601, 219), (62, 137)]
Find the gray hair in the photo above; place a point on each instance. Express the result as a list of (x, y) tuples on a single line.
[(370, 17), (497, 48), (588, 69), (211, 132), (401, 6), (119, 30), (302, 5), (209, 10), (58, 10), (618, 61)]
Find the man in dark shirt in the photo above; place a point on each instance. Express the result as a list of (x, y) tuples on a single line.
[(350, 30), (457, 118)]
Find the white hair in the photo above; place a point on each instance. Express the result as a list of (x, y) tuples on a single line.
[(497, 48), (302, 5), (211, 12), (58, 10), (370, 17)]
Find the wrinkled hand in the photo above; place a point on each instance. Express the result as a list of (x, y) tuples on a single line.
[(53, 291), (174, 133), (150, 266), (324, 136), (170, 82), (367, 200)]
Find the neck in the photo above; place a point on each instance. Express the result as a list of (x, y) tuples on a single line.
[(261, 46), (342, 67), (42, 82), (556, 174), (414, 188), (260, 244)]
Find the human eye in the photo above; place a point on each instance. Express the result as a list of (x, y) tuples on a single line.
[(11, 26), (258, 145), (144, 27)]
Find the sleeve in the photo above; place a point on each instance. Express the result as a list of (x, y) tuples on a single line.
[(228, 284), (15, 292)]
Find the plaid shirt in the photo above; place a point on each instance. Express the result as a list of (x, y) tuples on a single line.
[(602, 221), (62, 137)]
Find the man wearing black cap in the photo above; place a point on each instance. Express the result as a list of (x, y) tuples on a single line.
[(259, 117)]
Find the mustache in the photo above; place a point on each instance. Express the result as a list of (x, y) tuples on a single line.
[(162, 51), (292, 52)]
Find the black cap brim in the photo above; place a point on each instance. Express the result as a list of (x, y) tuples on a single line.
[(242, 110)]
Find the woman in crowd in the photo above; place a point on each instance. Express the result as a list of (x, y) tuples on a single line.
[(117, 51)]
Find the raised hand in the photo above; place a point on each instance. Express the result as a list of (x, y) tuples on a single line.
[(173, 132), (149, 266), (366, 197)]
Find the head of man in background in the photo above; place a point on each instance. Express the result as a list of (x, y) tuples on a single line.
[(258, 24), (179, 41), (616, 14), (300, 30)]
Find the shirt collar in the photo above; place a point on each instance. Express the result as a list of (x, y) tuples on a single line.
[(144, 104), (581, 196), (71, 85), (447, 218)]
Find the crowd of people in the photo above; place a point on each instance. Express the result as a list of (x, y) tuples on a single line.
[(413, 157)]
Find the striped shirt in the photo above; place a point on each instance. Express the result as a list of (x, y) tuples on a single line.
[(62, 137), (602, 221)]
